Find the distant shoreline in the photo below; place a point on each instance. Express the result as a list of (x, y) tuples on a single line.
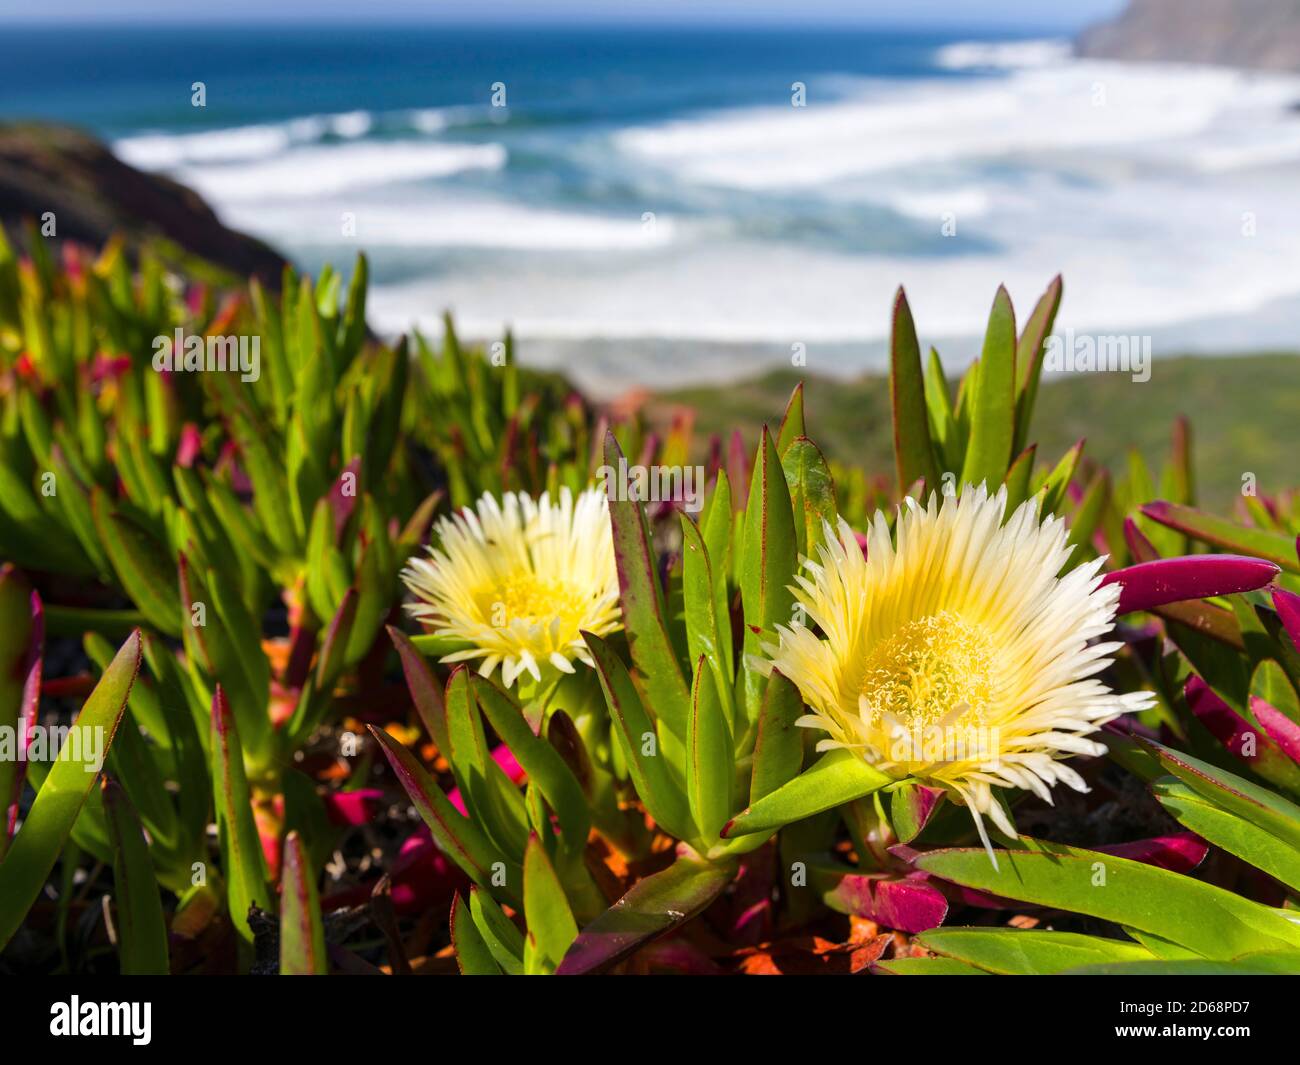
[(1243, 411), (605, 368)]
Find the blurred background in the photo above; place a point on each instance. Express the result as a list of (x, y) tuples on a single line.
[(678, 194)]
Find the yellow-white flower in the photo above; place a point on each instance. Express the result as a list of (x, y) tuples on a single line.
[(520, 580), (955, 652)]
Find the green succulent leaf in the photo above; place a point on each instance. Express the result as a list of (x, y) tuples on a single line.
[(716, 528), (473, 956), (490, 796), (143, 765), (1226, 535), (302, 935), (542, 762), (64, 790), (1256, 964), (927, 967), (551, 928), (839, 776), (708, 621), (778, 749), (1029, 952), (1260, 807), (503, 939), (1018, 478), (644, 617), (663, 795), (140, 563), (913, 454), (812, 494), (911, 805), (217, 652), (242, 859), (792, 424), (1209, 920), (333, 649), (141, 927), (767, 564), (1088, 514), (1058, 481), (424, 689), (1234, 834), (1029, 358), (993, 408), (79, 515), (949, 445), (710, 760), (770, 546), (653, 907)]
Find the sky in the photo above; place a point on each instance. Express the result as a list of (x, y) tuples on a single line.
[(965, 14)]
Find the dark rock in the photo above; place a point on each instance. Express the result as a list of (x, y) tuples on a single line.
[(1262, 34), (95, 195)]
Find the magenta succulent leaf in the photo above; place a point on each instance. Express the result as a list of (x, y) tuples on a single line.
[(908, 905), (351, 808), (190, 446), (1280, 728), (423, 879), (30, 667), (343, 495), (957, 893), (1287, 605), (1179, 853), (911, 808), (679, 955), (1142, 549), (1172, 580), (1262, 753)]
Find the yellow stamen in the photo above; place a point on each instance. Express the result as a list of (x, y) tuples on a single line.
[(930, 668), (534, 600)]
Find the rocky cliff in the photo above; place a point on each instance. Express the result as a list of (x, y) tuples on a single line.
[(1263, 34), (94, 195)]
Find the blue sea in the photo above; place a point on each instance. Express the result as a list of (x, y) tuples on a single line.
[(656, 206)]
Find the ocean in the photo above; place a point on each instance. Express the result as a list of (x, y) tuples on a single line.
[(658, 207)]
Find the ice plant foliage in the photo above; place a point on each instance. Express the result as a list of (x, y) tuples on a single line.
[(963, 653), (956, 651), (519, 581)]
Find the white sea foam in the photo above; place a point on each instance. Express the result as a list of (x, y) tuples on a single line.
[(1001, 55), (1060, 112), (429, 120), (320, 170), (1162, 256), (163, 151), (769, 294), (962, 201), (352, 124), (384, 220), (160, 151)]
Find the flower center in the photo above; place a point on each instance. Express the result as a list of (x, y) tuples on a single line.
[(929, 669), (532, 599)]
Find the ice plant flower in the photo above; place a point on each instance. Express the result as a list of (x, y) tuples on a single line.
[(956, 652), (519, 580)]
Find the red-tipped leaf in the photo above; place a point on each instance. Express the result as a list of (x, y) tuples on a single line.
[(1172, 580)]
